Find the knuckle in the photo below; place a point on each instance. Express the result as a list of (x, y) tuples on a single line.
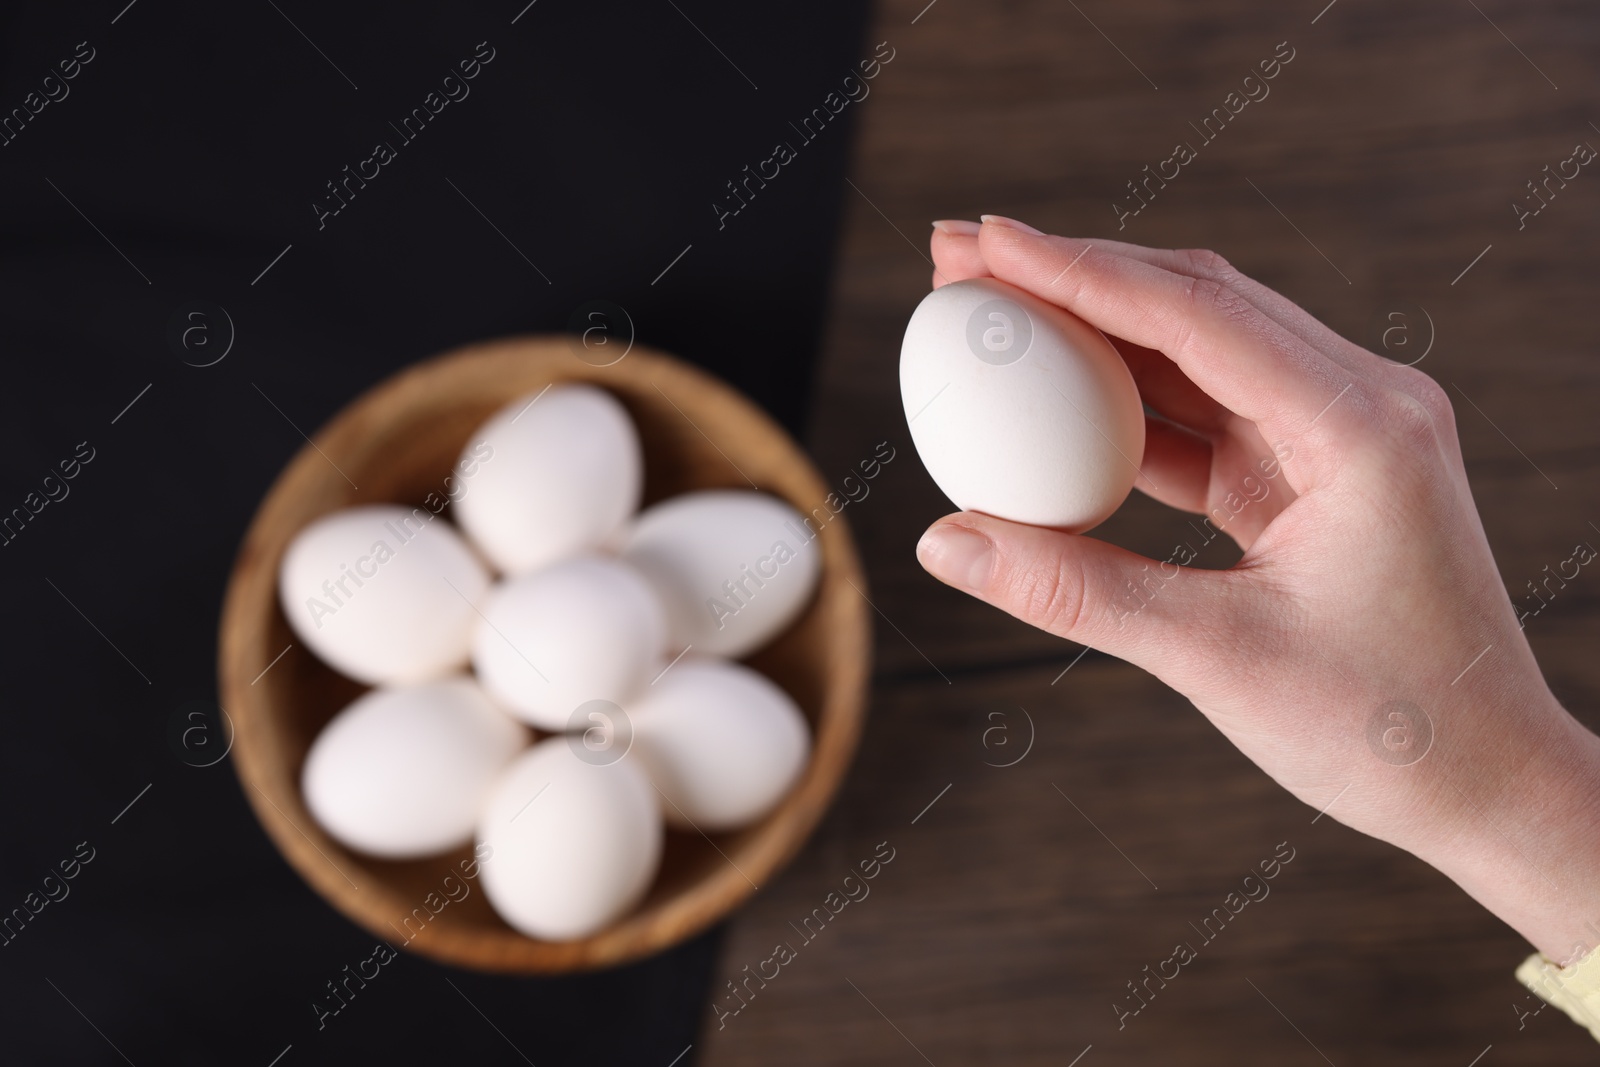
[(1211, 297), (1050, 595), (1430, 394), (1206, 263), (1407, 419), (1407, 452)]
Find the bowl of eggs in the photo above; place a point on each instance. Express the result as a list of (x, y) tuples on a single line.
[(536, 666)]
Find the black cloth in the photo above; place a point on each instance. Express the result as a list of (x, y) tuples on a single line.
[(160, 158)]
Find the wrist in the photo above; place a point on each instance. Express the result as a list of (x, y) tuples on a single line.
[(1523, 837)]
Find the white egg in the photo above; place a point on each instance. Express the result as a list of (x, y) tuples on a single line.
[(402, 773), (588, 628), (721, 742), (1019, 409), (575, 844), (553, 473), (733, 567), (383, 593)]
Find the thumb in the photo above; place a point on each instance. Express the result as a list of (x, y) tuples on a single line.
[(1160, 616)]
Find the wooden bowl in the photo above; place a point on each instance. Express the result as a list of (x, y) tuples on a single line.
[(397, 442)]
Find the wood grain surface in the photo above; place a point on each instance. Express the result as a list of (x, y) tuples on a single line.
[(1019, 905)]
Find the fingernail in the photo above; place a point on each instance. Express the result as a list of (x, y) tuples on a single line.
[(1001, 220), (957, 227), (957, 556)]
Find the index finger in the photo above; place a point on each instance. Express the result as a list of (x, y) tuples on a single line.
[(1222, 342)]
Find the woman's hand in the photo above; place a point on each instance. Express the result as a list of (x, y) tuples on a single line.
[(1363, 652)]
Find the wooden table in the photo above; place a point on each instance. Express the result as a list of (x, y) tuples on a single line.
[(1377, 177)]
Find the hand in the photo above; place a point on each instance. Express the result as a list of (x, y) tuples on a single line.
[(1363, 652)]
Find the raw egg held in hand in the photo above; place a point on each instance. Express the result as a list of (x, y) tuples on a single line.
[(1019, 409)]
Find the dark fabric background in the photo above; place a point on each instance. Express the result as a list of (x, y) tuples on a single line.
[(195, 142)]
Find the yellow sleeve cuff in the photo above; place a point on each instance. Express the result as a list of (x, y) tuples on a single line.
[(1575, 989)]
